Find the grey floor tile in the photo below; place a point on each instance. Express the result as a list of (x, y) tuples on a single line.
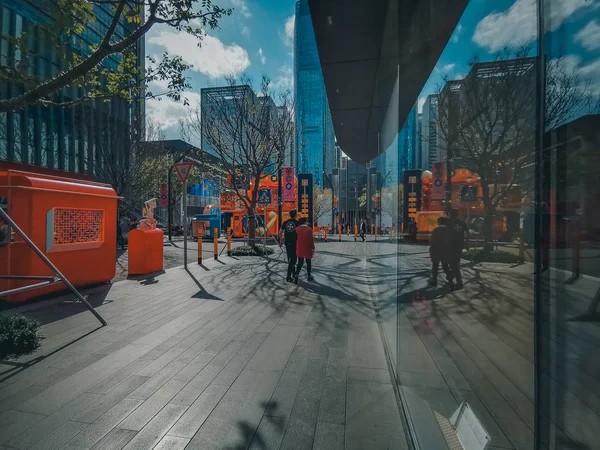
[(283, 398), (329, 436), (219, 433), (100, 428), (149, 408), (43, 428), (60, 436), (225, 355), (70, 370), (425, 380), (269, 434), (298, 435), (150, 387), (332, 407), (232, 370), (172, 443), (191, 421), (194, 388), (253, 343), (115, 440), (116, 379), (104, 404), (154, 431), (15, 400), (372, 417), (194, 367), (12, 423), (276, 349), (369, 375)]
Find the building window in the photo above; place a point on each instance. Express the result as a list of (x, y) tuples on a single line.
[(3, 137)]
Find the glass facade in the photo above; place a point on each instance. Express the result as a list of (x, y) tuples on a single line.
[(78, 139), (315, 139), (512, 349)]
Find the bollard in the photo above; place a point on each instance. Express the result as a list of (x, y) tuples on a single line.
[(375, 233), (372, 229), (522, 245), (340, 233), (355, 232), (216, 240), (200, 234), (326, 233), (228, 241)]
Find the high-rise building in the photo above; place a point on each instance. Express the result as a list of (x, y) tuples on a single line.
[(419, 143), (407, 141), (82, 139), (429, 133), (289, 153), (337, 162), (315, 139)]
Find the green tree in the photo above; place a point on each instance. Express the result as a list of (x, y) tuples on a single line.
[(82, 65)]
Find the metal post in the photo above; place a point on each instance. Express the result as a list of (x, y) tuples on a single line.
[(265, 228), (228, 241), (216, 242), (200, 234), (185, 224), (52, 266)]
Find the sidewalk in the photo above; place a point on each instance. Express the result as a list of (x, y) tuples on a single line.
[(229, 356)]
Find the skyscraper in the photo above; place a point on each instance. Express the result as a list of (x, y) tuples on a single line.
[(315, 139), (84, 139), (429, 133)]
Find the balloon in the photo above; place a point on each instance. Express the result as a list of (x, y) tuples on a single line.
[(426, 175)]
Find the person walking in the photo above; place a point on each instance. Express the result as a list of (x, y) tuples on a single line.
[(363, 229), (440, 251), (288, 236), (459, 241), (305, 248), (120, 238)]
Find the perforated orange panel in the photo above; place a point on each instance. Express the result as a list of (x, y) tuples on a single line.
[(77, 226)]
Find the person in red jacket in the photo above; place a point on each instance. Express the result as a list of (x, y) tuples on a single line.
[(305, 248)]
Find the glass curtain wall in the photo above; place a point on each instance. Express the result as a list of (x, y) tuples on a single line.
[(513, 346)]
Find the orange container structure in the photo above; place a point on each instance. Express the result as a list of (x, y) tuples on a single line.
[(73, 222), (145, 251)]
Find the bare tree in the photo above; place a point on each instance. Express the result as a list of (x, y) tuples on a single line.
[(248, 133), (321, 203), (487, 122)]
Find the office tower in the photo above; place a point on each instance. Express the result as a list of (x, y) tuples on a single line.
[(82, 139), (315, 139)]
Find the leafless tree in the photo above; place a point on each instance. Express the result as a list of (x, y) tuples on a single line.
[(248, 132), (487, 122)]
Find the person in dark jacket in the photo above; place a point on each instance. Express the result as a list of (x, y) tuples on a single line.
[(288, 230), (440, 251), (460, 241), (363, 229)]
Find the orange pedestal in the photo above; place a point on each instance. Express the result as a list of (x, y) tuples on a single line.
[(145, 251)]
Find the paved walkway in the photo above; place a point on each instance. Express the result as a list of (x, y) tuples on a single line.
[(223, 357)]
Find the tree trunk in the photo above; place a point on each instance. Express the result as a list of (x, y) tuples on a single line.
[(488, 228), (252, 224)]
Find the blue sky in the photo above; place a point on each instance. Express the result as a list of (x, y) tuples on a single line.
[(486, 27), (258, 39)]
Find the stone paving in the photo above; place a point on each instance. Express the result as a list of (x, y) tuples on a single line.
[(227, 356)]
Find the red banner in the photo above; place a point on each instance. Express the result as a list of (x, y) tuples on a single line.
[(163, 195), (288, 184), (438, 182)]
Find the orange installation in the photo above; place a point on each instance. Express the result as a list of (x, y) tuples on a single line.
[(73, 222)]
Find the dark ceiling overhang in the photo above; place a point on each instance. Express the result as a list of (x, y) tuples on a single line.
[(364, 46)]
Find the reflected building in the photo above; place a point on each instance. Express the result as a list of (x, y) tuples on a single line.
[(516, 347), (315, 139)]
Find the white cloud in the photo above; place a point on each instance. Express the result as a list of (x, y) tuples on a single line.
[(245, 31), (518, 24), (588, 36), (263, 58), (167, 112), (592, 70), (447, 68), (457, 33), (290, 23), (214, 59), (420, 104), (284, 81), (241, 6)]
